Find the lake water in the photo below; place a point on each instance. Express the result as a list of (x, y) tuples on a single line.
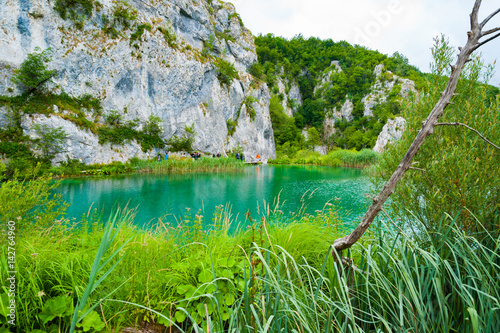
[(158, 195)]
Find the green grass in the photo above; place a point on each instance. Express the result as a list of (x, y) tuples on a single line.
[(188, 164), (335, 158), (276, 274)]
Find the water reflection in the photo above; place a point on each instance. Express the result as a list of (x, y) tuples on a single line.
[(156, 196)]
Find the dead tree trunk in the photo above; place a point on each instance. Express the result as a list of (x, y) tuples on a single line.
[(475, 35)]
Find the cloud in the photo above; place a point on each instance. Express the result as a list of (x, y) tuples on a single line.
[(406, 26)]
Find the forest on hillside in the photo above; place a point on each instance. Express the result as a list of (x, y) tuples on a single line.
[(304, 62)]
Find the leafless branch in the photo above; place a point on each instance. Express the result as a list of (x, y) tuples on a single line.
[(470, 128), (489, 17), (478, 45), (490, 31), (428, 125)]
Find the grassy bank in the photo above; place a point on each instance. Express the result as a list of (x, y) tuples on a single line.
[(74, 168), (334, 158), (274, 275)]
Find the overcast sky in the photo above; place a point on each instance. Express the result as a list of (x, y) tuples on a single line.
[(406, 26)]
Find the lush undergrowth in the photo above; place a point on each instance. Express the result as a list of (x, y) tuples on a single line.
[(73, 168), (335, 158), (175, 267), (276, 274), (187, 164)]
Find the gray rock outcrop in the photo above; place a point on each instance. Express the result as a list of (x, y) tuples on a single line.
[(291, 94), (166, 71), (384, 83), (392, 131)]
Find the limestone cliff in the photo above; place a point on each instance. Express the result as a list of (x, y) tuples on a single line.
[(143, 58), (392, 131), (385, 85)]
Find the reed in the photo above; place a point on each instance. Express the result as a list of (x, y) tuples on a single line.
[(334, 158), (188, 164), (275, 274)]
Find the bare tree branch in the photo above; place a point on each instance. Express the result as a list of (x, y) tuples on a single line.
[(474, 35), (490, 31), (475, 11), (478, 45), (472, 129), (489, 17)]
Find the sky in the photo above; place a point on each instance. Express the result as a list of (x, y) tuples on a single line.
[(405, 26)]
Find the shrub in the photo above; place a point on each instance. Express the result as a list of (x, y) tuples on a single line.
[(124, 13), (75, 10), (169, 36), (225, 71), (231, 126), (180, 143), (140, 30), (33, 71), (50, 140), (30, 202), (249, 100)]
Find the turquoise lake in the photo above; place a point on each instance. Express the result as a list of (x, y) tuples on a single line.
[(156, 196)]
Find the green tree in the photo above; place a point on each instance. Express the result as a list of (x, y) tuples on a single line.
[(184, 143), (457, 170), (153, 126), (283, 126), (49, 140), (313, 138), (33, 72)]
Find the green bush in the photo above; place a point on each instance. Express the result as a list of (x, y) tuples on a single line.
[(458, 170), (180, 143), (140, 30), (124, 13), (33, 71), (169, 35), (226, 72), (75, 10), (30, 202), (249, 100)]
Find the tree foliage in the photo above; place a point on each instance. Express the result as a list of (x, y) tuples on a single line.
[(307, 62), (463, 176), (33, 71), (49, 140), (225, 71)]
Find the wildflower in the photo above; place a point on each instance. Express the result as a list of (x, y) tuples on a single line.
[(34, 254), (280, 211), (37, 217), (19, 217), (40, 293)]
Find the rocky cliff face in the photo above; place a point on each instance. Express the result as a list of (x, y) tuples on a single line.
[(143, 58), (385, 84), (392, 131)]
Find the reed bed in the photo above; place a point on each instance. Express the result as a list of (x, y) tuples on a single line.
[(335, 158), (274, 275), (188, 164)]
